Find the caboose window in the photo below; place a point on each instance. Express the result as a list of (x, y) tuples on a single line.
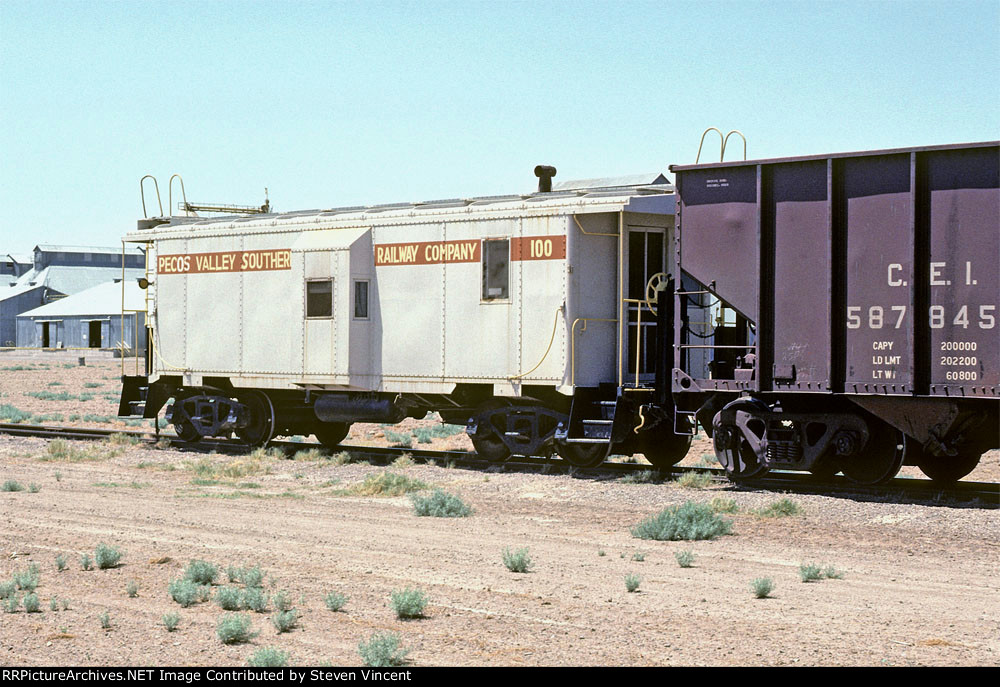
[(319, 298), (361, 300), (496, 275)]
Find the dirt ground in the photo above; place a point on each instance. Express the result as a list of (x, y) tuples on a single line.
[(919, 584)]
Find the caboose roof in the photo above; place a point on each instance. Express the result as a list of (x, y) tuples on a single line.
[(648, 193)]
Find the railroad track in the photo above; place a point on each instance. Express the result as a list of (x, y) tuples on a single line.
[(902, 490)]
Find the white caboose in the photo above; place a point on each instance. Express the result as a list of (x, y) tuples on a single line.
[(525, 317)]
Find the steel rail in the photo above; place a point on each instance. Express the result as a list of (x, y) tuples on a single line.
[(901, 489)]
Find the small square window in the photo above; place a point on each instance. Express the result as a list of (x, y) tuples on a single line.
[(319, 298), (361, 300), (496, 275)]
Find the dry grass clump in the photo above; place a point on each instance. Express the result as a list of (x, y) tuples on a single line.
[(388, 484)]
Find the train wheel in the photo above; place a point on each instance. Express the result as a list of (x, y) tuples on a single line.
[(732, 449), (261, 426), (664, 449), (583, 455), (948, 468), (330, 434), (186, 431), (881, 458), (491, 447)]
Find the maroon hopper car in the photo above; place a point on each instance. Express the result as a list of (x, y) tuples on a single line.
[(839, 312)]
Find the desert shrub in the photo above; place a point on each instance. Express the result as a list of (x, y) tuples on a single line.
[(517, 561), (720, 504), (831, 573), (107, 556), (119, 439), (268, 657), (440, 504), (335, 601), (309, 455), (638, 556), (7, 589), (284, 621), (33, 488), (132, 589), (30, 603), (684, 558), (779, 509), (9, 413), (53, 604), (185, 592), (12, 485), (28, 578), (342, 458), (408, 603), (688, 521), (388, 484), (762, 587), (632, 582), (171, 620), (282, 601), (11, 603), (254, 599), (694, 480), (642, 477), (382, 650), (229, 598), (398, 440), (252, 577), (86, 562), (62, 450), (235, 628), (809, 572), (105, 619), (232, 572), (201, 572)]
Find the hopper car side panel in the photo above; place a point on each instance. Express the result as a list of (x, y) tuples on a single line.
[(870, 288)]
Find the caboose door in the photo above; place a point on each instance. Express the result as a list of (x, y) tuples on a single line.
[(646, 256)]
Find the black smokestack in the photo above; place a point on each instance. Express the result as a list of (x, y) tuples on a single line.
[(545, 174)]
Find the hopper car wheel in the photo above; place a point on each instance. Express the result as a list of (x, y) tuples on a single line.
[(948, 468), (330, 434), (186, 431), (260, 429), (583, 455), (732, 449), (664, 449), (880, 459), (491, 447)]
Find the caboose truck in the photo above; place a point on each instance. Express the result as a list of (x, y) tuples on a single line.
[(855, 304), (520, 317)]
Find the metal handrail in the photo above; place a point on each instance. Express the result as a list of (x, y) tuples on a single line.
[(142, 195), (170, 192), (700, 144), (726, 140), (589, 233)]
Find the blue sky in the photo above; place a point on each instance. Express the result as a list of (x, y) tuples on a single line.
[(346, 103)]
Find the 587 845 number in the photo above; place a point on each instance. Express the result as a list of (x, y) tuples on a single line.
[(891, 317)]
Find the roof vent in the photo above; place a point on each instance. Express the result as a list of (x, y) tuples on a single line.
[(545, 174)]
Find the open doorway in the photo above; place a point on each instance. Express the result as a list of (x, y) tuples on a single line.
[(94, 335)]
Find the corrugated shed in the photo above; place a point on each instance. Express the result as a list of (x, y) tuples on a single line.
[(103, 299), (71, 279)]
